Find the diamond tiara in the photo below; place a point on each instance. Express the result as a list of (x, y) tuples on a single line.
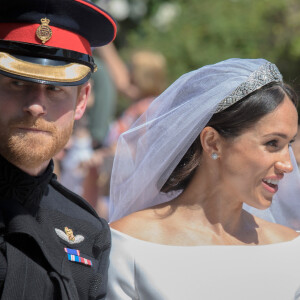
[(263, 75)]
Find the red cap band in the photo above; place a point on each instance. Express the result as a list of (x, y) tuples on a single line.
[(61, 38)]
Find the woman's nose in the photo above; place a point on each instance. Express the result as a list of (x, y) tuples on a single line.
[(284, 164)]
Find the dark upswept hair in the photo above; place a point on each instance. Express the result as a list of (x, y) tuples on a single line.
[(230, 123)]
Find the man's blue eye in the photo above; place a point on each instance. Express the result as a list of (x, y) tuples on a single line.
[(53, 88), (18, 83)]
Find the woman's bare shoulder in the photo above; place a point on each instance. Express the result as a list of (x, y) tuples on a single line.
[(139, 225), (127, 223), (276, 233)]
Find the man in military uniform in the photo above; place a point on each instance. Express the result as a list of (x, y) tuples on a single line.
[(52, 243)]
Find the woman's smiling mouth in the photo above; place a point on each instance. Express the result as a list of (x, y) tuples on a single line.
[(270, 185)]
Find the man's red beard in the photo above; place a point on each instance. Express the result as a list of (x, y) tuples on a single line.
[(31, 149)]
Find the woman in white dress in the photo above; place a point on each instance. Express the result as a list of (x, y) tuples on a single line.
[(217, 139)]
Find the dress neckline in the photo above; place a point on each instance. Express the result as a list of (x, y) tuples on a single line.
[(141, 242)]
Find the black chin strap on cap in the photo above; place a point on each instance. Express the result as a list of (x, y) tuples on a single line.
[(35, 51)]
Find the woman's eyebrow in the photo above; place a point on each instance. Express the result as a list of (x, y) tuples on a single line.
[(278, 134)]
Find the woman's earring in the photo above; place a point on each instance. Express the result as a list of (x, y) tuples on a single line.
[(214, 156)]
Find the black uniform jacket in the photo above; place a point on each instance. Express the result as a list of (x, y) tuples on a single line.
[(40, 223)]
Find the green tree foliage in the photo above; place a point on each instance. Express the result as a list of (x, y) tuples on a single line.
[(206, 31)]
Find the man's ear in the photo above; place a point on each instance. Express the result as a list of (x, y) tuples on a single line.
[(211, 141), (82, 98)]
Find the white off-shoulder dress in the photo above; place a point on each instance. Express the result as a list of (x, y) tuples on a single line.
[(148, 271)]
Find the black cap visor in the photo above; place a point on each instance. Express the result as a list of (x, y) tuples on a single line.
[(43, 70)]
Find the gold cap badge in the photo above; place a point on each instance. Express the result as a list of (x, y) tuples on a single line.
[(44, 32)]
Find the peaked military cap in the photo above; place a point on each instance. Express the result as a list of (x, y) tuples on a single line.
[(49, 41)]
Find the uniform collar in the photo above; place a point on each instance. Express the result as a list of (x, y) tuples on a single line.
[(22, 187)]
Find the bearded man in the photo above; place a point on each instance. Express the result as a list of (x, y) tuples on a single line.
[(52, 243)]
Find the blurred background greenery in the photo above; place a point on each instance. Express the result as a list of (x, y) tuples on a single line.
[(193, 33)]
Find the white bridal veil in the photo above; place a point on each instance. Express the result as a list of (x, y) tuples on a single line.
[(147, 153)]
